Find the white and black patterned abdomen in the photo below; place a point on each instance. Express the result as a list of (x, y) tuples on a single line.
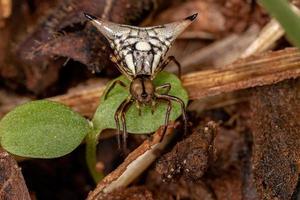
[(140, 50), (137, 57)]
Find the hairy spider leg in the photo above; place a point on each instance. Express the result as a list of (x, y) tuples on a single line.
[(123, 119), (183, 110), (117, 121), (166, 86), (182, 105), (166, 62), (114, 83), (167, 116)]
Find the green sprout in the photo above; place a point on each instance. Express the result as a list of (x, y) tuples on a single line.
[(46, 129), (289, 20)]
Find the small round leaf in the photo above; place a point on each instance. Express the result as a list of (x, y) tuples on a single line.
[(42, 129), (147, 122)]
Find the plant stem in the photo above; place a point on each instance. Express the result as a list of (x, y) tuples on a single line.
[(288, 19), (91, 154)]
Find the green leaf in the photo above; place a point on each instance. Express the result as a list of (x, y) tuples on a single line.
[(289, 20), (147, 122), (42, 129)]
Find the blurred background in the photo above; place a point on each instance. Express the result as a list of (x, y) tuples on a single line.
[(49, 50)]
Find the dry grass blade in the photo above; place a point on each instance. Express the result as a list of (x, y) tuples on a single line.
[(266, 39)]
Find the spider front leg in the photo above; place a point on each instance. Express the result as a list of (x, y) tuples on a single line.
[(166, 86), (117, 121), (114, 83), (169, 108), (182, 105), (123, 118)]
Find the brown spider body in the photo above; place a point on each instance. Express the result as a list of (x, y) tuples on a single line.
[(139, 53)]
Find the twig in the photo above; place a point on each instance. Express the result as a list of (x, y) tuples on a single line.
[(84, 101), (266, 39), (135, 163), (253, 71)]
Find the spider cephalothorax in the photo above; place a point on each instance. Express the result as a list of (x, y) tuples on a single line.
[(142, 89), (139, 53)]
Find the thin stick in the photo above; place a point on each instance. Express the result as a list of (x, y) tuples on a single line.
[(264, 69), (135, 163)]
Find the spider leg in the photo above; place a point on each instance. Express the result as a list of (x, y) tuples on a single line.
[(114, 83), (169, 108), (167, 61), (166, 86), (123, 118), (182, 105), (117, 121)]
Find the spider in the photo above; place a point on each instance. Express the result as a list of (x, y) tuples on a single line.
[(139, 53)]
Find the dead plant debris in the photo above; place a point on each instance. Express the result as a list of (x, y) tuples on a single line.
[(276, 134), (190, 158), (132, 193)]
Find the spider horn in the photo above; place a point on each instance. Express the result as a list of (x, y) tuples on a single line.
[(173, 30), (108, 29), (90, 17)]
